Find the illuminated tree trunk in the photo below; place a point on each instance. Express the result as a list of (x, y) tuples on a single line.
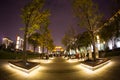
[(43, 49), (34, 49), (93, 43), (24, 45)]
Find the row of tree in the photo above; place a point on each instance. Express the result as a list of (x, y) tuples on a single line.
[(36, 20), (111, 29), (91, 19)]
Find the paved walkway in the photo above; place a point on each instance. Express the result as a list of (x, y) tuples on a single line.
[(61, 69)]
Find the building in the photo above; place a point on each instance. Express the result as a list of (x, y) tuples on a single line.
[(19, 43), (6, 41), (58, 50), (114, 42)]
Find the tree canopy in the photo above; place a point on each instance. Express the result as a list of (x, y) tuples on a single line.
[(34, 40), (33, 15), (68, 39), (88, 17)]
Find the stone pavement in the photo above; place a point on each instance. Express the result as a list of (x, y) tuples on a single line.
[(62, 69)]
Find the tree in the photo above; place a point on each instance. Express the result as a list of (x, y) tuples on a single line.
[(50, 46), (107, 32), (69, 39), (82, 40), (48, 41), (89, 17), (116, 23), (34, 40), (111, 28), (33, 16), (115, 6), (44, 31)]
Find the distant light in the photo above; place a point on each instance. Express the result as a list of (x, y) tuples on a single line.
[(118, 44), (39, 50), (19, 43), (110, 45), (104, 42), (97, 37), (58, 47)]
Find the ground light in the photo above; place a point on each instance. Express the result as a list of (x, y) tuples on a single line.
[(72, 60), (21, 74), (22, 69), (42, 60), (96, 66), (100, 71), (25, 67)]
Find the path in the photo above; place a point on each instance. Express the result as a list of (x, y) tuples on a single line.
[(60, 69)]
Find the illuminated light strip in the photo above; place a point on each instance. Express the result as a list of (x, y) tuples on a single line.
[(72, 60), (22, 69), (95, 67), (52, 58)]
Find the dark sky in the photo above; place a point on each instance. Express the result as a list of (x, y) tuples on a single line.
[(61, 17)]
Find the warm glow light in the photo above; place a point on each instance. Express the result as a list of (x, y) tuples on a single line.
[(22, 69), (72, 60), (104, 42), (58, 47), (61, 49), (98, 41), (97, 37), (98, 46), (46, 61), (100, 71), (42, 61), (19, 74), (95, 67), (82, 59), (52, 58), (39, 49)]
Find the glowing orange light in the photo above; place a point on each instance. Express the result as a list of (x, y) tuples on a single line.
[(22, 69), (95, 67)]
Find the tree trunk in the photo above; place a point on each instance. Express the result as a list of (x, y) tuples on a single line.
[(93, 43), (94, 52), (43, 49), (47, 50), (34, 49), (24, 45)]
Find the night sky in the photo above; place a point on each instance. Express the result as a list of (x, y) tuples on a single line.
[(61, 17)]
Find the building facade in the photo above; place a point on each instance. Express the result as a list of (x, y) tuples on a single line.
[(19, 43), (6, 41)]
